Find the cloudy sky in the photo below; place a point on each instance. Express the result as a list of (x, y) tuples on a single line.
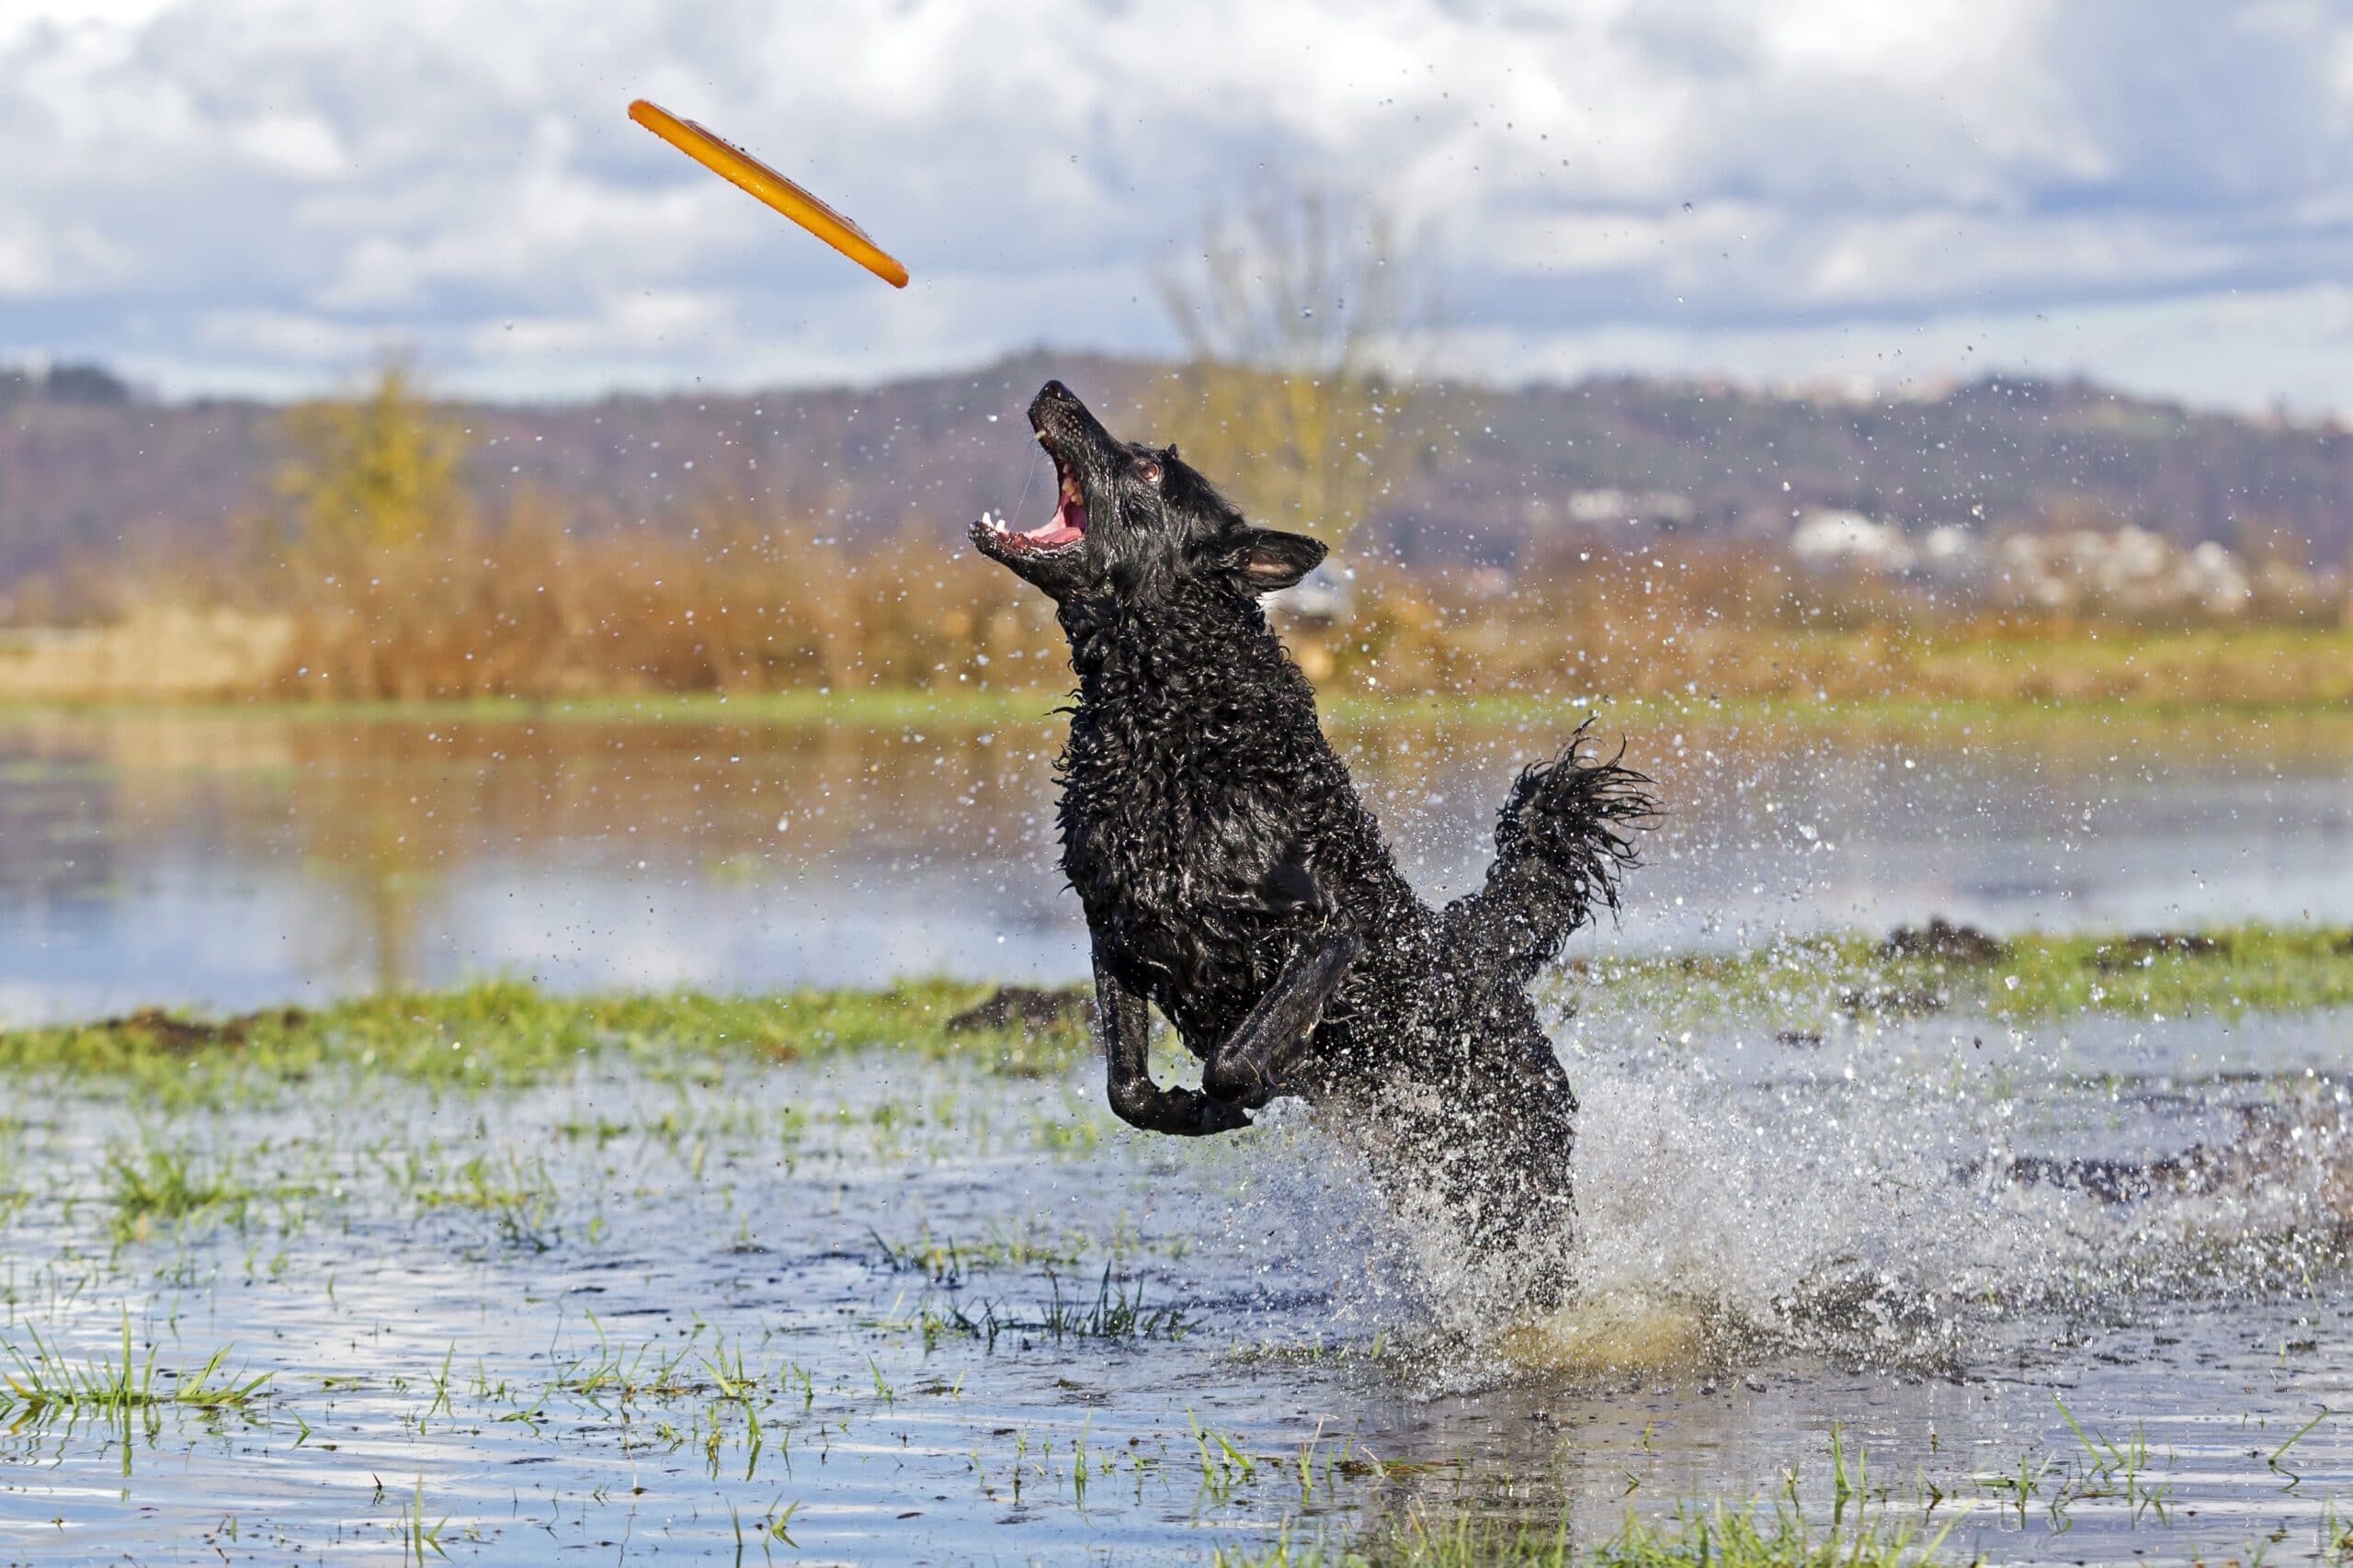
[(260, 195)]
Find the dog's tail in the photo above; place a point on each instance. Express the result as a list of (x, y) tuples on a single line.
[(1562, 842)]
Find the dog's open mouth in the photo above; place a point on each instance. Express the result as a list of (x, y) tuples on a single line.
[(1065, 528)]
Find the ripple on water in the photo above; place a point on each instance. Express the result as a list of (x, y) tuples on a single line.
[(523, 1310)]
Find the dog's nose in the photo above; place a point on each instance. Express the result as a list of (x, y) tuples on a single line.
[(1054, 403)]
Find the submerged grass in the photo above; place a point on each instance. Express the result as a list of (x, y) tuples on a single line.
[(508, 1032), (1725, 1535), (1750, 1536), (167, 1186), (1865, 1529), (520, 1197), (1117, 1312), (44, 1379)]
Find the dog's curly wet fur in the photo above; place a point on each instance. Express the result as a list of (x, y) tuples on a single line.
[(1232, 878)]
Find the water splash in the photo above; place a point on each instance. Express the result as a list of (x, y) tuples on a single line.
[(1890, 1206)]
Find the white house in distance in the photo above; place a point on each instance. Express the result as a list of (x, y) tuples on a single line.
[(1850, 540), (2128, 568), (2131, 568), (1640, 508)]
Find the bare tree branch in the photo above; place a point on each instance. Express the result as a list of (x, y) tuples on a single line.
[(1295, 317)]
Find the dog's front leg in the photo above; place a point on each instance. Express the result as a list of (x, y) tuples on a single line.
[(1126, 1062), (1248, 1065)]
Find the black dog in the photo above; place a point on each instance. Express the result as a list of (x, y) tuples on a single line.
[(1232, 878)]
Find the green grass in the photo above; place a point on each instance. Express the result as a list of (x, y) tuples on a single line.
[(1745, 1535), (947, 1260), (518, 1198), (1115, 1312), (961, 708), (40, 1379), (1810, 985), (504, 1032), (1750, 1536), (1864, 1530), (167, 1186), (508, 1032)]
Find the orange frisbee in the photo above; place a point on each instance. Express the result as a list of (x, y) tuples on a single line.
[(738, 167)]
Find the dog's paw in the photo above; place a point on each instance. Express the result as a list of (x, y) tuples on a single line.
[(1239, 1087), (1179, 1112), (1216, 1115), (1189, 1113)]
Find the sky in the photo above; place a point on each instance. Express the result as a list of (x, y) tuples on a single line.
[(262, 196)]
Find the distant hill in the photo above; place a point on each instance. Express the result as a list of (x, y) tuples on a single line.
[(87, 469)]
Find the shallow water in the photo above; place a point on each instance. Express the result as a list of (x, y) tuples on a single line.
[(243, 862), (549, 1316), (530, 1312)]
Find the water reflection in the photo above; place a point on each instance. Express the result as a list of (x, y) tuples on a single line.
[(240, 862)]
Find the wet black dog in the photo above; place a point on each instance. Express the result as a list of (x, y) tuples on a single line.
[(1232, 878)]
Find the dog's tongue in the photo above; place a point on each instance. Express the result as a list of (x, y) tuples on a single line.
[(1069, 522)]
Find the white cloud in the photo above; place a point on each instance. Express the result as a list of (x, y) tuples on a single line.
[(1713, 182), (2256, 351), (300, 144)]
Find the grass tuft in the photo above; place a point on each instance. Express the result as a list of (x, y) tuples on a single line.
[(44, 1380), (166, 1184)]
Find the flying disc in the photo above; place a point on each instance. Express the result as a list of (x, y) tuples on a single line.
[(733, 164)]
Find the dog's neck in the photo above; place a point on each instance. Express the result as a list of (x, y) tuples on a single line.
[(1119, 646)]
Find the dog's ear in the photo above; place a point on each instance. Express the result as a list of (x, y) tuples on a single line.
[(1271, 561)]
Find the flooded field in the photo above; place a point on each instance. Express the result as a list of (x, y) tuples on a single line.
[(2045, 1247), (874, 1306), (242, 862)]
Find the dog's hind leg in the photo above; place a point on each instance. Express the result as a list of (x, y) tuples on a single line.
[(1248, 1065), (1126, 1030)]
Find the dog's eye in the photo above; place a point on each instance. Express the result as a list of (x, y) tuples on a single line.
[(1148, 470)]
